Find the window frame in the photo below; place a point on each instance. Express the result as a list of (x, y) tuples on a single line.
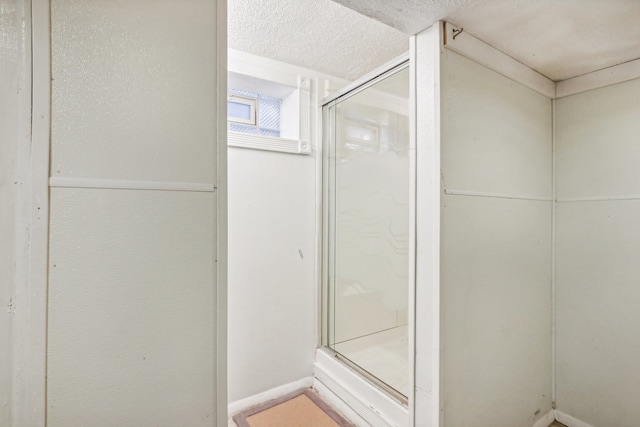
[(289, 83), (253, 112)]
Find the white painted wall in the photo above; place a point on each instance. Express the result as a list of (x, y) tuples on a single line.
[(272, 284), (130, 311), (132, 286), (23, 214), (597, 270), (495, 249), (14, 121), (273, 220), (425, 128)]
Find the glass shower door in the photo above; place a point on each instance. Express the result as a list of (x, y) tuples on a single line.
[(366, 256)]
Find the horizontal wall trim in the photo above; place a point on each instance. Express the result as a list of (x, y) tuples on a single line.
[(597, 79), (121, 184), (598, 199), (459, 41), (258, 142), (570, 421), (450, 192)]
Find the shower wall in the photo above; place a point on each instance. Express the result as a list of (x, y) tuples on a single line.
[(598, 242), (132, 285), (496, 213)]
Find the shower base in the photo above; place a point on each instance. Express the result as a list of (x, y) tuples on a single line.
[(359, 400), (383, 354)]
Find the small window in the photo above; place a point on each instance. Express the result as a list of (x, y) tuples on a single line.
[(241, 109), (253, 113)]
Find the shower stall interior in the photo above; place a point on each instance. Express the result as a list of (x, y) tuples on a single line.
[(366, 278)]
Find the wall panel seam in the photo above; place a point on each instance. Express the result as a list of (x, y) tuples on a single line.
[(450, 192), (121, 184), (598, 199)]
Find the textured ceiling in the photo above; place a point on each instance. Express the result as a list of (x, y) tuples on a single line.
[(408, 16), (558, 38), (317, 34)]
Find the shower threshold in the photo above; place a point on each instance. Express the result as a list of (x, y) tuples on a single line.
[(363, 399), (382, 355)]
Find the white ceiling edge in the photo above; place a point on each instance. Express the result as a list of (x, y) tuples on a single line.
[(320, 35), (558, 39), (463, 43), (608, 76), (467, 45)]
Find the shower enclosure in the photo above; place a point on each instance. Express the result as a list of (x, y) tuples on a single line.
[(367, 244)]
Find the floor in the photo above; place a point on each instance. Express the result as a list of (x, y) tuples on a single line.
[(300, 408), (555, 424), (383, 354)]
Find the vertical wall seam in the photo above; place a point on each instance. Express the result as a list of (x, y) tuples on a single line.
[(221, 221), (553, 253)]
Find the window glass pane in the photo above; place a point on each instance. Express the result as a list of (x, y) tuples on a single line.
[(243, 107), (239, 110), (269, 113), (267, 132), (235, 127), (243, 93)]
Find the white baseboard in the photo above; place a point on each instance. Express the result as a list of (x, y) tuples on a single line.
[(274, 393), (546, 420), (570, 421)]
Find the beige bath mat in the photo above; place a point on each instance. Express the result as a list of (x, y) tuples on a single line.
[(300, 409)]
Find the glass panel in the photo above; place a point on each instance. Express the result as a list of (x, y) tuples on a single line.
[(242, 109), (271, 133), (237, 110), (243, 93), (269, 113), (367, 219), (235, 127)]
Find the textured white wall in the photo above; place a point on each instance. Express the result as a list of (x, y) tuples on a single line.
[(597, 269), (13, 110), (132, 286), (495, 252), (135, 79), (130, 308), (272, 283)]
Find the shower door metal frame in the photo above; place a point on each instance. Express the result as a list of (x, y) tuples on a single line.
[(326, 310)]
